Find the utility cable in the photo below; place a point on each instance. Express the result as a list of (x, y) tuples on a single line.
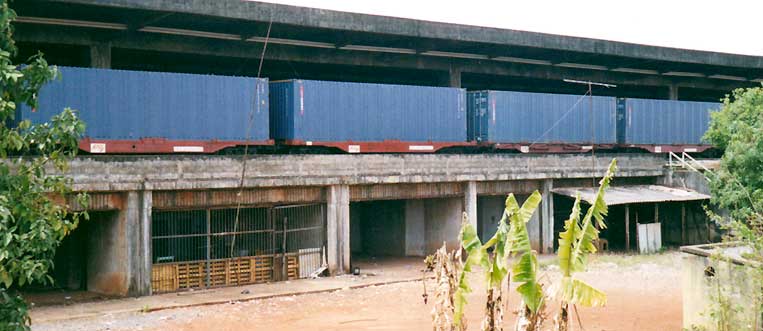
[(240, 194)]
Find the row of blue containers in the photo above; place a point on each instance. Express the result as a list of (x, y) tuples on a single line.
[(542, 118), (130, 105)]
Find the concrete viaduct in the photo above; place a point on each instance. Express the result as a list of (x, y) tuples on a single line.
[(438, 186), (425, 193)]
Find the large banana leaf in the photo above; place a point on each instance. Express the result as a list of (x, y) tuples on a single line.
[(525, 272), (476, 255), (499, 265), (518, 243), (567, 239), (588, 232), (577, 292), (576, 242)]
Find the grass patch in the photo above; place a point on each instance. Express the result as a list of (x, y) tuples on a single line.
[(663, 258)]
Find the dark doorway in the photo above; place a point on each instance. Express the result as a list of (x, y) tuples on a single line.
[(377, 228)]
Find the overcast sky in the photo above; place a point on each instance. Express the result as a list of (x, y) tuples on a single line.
[(730, 26)]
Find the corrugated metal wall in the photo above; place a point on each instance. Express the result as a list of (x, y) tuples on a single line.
[(521, 117), (339, 111), (503, 188), (126, 105), (666, 121), (262, 196), (405, 191)]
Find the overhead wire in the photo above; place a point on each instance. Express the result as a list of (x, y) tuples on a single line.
[(239, 195)]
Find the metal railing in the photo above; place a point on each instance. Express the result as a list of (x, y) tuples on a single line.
[(686, 161)]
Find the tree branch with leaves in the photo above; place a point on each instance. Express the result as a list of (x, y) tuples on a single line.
[(32, 224)]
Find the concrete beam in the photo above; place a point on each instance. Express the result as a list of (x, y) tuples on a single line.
[(338, 229), (236, 10), (210, 47), (160, 173)]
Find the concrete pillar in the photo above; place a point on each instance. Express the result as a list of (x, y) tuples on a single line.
[(673, 92), (534, 230), (470, 202), (415, 228), (133, 245), (137, 224), (443, 223), (454, 77), (108, 259), (338, 228), (547, 217), (146, 206), (100, 56)]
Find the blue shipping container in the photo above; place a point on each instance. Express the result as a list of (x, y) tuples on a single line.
[(309, 110), (666, 122), (127, 105), (527, 118)]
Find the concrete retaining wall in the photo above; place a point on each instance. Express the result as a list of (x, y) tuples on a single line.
[(113, 173)]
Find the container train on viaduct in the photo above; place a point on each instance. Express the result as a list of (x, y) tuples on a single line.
[(134, 112)]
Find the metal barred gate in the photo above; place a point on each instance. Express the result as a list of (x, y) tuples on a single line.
[(204, 248)]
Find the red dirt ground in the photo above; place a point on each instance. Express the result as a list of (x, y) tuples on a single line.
[(645, 296)]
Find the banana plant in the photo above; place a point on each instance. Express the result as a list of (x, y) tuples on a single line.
[(511, 239), (576, 242), (525, 268)]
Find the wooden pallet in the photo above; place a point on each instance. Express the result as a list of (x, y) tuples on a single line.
[(172, 277), (164, 278), (262, 270), (292, 267), (191, 275)]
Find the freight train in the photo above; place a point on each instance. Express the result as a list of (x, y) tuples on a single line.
[(156, 112)]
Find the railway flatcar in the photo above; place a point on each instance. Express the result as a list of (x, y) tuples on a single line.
[(542, 122), (367, 118), (158, 112)]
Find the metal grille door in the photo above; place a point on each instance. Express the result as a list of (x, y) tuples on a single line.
[(300, 239), (210, 248)]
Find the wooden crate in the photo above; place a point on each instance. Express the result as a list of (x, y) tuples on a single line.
[(164, 278)]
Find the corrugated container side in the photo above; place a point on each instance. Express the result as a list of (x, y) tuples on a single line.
[(127, 105), (338, 111), (667, 122), (477, 107), (281, 120), (522, 117)]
